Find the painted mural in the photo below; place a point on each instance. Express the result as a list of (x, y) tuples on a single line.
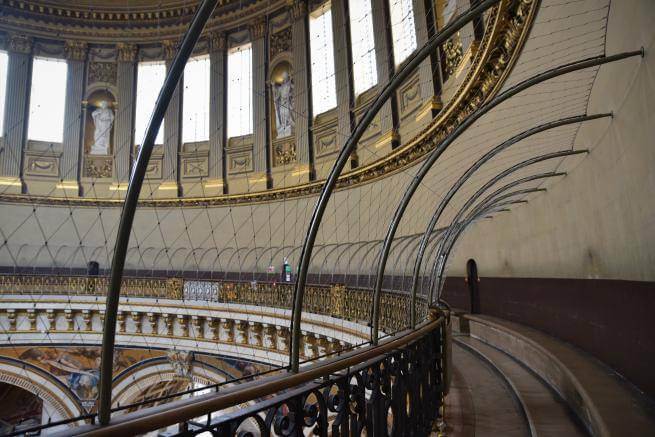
[(78, 367)]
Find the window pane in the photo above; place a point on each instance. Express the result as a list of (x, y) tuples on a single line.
[(402, 29), (195, 111), (324, 96), (3, 89), (239, 91), (150, 78), (47, 100), (365, 74)]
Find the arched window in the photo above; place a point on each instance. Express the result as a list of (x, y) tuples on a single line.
[(150, 78), (3, 89), (402, 29), (47, 100), (324, 96), (239, 91), (195, 101), (365, 73)]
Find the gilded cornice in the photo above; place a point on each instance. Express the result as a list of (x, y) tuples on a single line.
[(507, 29), (137, 25)]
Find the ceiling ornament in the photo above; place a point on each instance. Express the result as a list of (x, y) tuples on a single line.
[(508, 26)]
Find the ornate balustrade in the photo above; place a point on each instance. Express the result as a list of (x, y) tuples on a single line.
[(339, 301)]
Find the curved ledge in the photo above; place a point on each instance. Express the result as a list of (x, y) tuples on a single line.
[(605, 403)]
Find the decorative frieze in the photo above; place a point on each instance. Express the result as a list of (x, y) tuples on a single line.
[(104, 72), (169, 48), (98, 167), (281, 42)]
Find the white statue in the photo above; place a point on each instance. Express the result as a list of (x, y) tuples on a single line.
[(283, 98), (103, 118)]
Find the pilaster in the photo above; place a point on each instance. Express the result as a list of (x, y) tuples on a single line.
[(258, 38), (69, 165), (217, 117), (124, 122), (343, 71), (19, 70), (172, 131), (300, 60)]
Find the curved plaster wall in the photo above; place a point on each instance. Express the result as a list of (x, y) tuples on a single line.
[(597, 222)]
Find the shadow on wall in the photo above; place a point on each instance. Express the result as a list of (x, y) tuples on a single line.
[(612, 320)]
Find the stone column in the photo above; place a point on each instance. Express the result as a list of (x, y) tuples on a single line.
[(301, 67), (124, 121), (383, 57), (343, 70), (69, 165), (19, 70), (172, 130), (258, 37), (217, 117)]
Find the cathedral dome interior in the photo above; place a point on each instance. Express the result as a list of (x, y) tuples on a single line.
[(327, 217)]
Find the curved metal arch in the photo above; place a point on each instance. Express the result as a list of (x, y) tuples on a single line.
[(236, 252), (344, 155), (173, 255), (443, 145), (491, 182), (361, 262), (337, 265), (465, 177), (245, 258), (203, 12), (474, 215), (399, 241), (218, 259), (352, 255), (327, 256), (155, 260)]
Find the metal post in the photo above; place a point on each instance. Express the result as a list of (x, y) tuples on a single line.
[(465, 177), (436, 153), (129, 208), (344, 155)]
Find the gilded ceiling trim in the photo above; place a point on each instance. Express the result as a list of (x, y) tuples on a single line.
[(508, 26)]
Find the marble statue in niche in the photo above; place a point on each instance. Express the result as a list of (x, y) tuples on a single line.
[(103, 120), (283, 100), (100, 120)]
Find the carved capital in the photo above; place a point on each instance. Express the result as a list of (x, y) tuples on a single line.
[(298, 8), (126, 52), (258, 28), (76, 50), (169, 48), (20, 44), (217, 41)]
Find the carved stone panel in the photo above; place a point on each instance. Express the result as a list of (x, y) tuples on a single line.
[(280, 42), (409, 96), (104, 72), (195, 164), (240, 162), (39, 163), (284, 152), (98, 167)]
